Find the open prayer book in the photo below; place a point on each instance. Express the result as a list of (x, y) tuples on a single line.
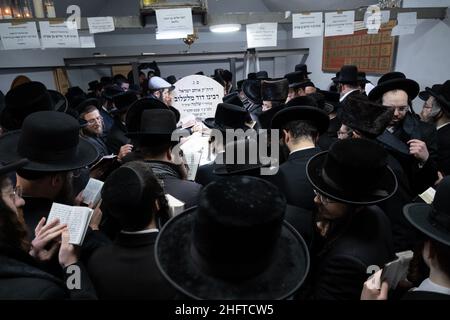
[(175, 206), (192, 160), (106, 160), (93, 192), (76, 218)]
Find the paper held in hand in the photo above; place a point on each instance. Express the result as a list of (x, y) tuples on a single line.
[(76, 218), (93, 192), (428, 195), (175, 206)]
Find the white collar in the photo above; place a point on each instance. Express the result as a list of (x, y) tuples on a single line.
[(301, 149), (442, 125), (140, 232), (428, 285), (345, 95)]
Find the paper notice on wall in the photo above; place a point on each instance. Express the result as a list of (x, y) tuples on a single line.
[(307, 25), (58, 35), (262, 35), (197, 95), (19, 36), (101, 24), (174, 23), (406, 23), (339, 23)]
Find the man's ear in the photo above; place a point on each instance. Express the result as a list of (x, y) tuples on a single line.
[(157, 206), (286, 136), (56, 180)]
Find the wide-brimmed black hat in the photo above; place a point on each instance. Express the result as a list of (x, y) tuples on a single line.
[(59, 101), (369, 118), (274, 90), (362, 77), (51, 142), (252, 90), (12, 167), (233, 98), (171, 79), (234, 247), (109, 92), (133, 119), (296, 79), (347, 74), (24, 100), (441, 94), (155, 122), (394, 81), (262, 75), (302, 68), (228, 116), (353, 171), (82, 107), (424, 95), (321, 102), (94, 85), (305, 113), (241, 163), (433, 220), (123, 101)]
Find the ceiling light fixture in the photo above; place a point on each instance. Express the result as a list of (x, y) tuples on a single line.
[(223, 28)]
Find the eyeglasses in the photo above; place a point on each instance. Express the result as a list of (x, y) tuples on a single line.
[(16, 192), (325, 201), (401, 108), (95, 120), (341, 133)]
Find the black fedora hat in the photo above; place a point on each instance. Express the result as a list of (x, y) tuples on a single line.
[(239, 165), (394, 81), (51, 142), (155, 122), (362, 77), (133, 119), (331, 98), (124, 100), (110, 91), (347, 74), (433, 220), (94, 85), (252, 90), (441, 94), (302, 101), (296, 79), (82, 107), (228, 116), (59, 101), (233, 98), (424, 95), (353, 171), (24, 100), (262, 75), (321, 102), (234, 247), (171, 79), (274, 90), (12, 167), (302, 68), (306, 113), (370, 118)]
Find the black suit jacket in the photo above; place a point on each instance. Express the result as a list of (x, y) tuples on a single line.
[(443, 142), (205, 174), (127, 269), (425, 295), (116, 137), (291, 179), (339, 267)]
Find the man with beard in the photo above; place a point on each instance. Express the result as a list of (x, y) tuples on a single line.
[(51, 142), (162, 90), (412, 142), (352, 233), (300, 128), (93, 125)]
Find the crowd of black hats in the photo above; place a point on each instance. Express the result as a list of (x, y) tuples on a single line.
[(327, 210)]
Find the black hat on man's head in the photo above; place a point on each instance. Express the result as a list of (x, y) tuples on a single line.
[(234, 247), (442, 95), (24, 100), (348, 74), (51, 141), (274, 90), (302, 68), (134, 114), (228, 116), (394, 81), (354, 171)]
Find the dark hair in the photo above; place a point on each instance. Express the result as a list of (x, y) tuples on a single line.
[(87, 110), (13, 233), (134, 215), (301, 129), (152, 147)]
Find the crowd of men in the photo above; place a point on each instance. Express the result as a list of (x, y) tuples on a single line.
[(338, 195)]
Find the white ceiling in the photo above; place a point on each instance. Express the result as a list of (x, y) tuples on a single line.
[(308, 5)]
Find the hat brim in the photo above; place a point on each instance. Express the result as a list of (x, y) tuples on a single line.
[(424, 95), (281, 279), (417, 214), (11, 167), (411, 87), (307, 113), (314, 173), (212, 124), (85, 155), (221, 169), (440, 99)]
